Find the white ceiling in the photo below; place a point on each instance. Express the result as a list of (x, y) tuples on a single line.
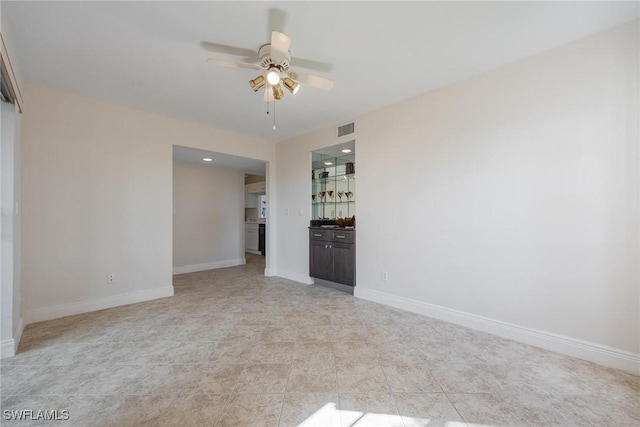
[(149, 55), (194, 155)]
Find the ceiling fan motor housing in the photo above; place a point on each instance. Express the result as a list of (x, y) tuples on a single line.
[(266, 61)]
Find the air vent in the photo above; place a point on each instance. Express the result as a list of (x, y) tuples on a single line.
[(346, 129)]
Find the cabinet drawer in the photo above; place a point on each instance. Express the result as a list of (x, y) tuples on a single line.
[(320, 235), (342, 236)]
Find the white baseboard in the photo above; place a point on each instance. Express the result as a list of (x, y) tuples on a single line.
[(296, 277), (17, 332), (77, 307), (586, 350), (208, 266), (7, 348)]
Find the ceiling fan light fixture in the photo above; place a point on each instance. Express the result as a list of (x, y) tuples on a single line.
[(257, 83), (277, 92), (291, 85), (273, 76)]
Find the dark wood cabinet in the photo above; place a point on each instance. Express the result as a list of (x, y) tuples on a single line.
[(344, 261), (332, 255), (320, 260)]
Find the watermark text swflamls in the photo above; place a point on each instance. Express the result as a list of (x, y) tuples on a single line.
[(35, 415)]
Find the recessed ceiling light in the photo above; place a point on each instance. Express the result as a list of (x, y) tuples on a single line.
[(328, 163), (207, 159), (346, 150)]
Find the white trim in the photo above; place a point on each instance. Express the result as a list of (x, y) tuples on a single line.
[(208, 266), (13, 81), (7, 348), (57, 311), (296, 277), (586, 350), (17, 333)]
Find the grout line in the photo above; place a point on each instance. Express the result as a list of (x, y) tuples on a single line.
[(286, 386)]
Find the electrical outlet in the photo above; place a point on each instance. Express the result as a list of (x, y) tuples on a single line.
[(384, 276), (111, 278)]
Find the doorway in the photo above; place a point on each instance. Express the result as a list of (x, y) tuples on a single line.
[(210, 208)]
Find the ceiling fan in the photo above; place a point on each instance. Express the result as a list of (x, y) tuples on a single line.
[(274, 60)]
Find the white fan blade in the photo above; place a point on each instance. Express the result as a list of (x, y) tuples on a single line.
[(227, 50), (268, 93), (310, 64), (311, 80), (232, 64), (280, 44)]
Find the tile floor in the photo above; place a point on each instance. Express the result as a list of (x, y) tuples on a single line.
[(234, 348)]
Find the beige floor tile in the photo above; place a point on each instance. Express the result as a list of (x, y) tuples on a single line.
[(229, 352), (19, 379), (322, 333), (409, 378), (272, 352), (192, 410), (304, 351), (192, 379), (255, 350), (543, 409), (426, 409), (256, 410), (368, 409), (455, 378), (314, 374), (138, 411), (310, 410), (486, 409), (279, 333), (604, 410), (361, 376), (263, 378)]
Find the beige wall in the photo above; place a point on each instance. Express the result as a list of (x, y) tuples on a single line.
[(97, 182), (208, 217), (508, 202)]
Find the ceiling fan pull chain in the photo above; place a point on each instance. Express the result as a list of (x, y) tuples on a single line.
[(274, 114)]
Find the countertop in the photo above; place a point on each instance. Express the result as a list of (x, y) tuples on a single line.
[(332, 227)]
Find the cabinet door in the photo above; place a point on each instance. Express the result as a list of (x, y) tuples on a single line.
[(320, 263), (250, 200), (247, 238), (256, 187), (251, 238), (343, 263)]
